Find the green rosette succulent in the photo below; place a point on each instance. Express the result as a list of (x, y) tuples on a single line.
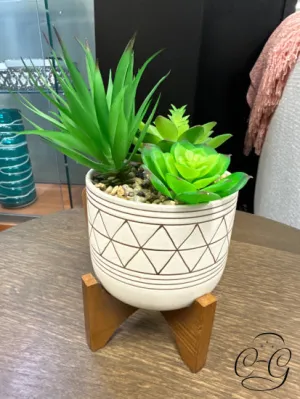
[(166, 131), (191, 174)]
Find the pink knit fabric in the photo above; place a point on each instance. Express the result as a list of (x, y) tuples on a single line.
[(268, 79)]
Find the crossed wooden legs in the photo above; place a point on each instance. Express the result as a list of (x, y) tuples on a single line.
[(191, 326)]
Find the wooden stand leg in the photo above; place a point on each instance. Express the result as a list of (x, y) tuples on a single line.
[(192, 329), (191, 326), (103, 313)]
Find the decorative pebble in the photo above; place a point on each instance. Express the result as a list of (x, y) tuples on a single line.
[(102, 186), (109, 190), (137, 188), (114, 190), (137, 198), (138, 181), (120, 191), (169, 202), (146, 184)]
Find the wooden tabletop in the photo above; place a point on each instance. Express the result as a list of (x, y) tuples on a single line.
[(43, 352)]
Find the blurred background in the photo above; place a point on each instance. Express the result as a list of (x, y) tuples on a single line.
[(210, 48)]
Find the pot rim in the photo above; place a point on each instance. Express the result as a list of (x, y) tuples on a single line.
[(152, 207)]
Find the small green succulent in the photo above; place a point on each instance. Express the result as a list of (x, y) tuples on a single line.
[(166, 131), (190, 173)]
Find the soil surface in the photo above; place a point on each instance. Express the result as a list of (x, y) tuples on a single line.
[(138, 188)]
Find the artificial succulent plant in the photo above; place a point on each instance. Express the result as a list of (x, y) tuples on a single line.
[(94, 124), (191, 173), (176, 127)]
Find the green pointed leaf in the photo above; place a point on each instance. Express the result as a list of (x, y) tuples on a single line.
[(179, 185), (131, 94), (220, 167), (122, 68), (178, 150), (77, 79), (100, 104), (81, 159), (57, 100), (165, 145), (215, 142), (129, 106), (151, 130), (114, 115), (35, 110), (158, 160), (63, 139), (141, 112), (197, 197), (186, 144), (148, 161), (207, 131), (202, 183), (57, 69), (192, 134), (159, 185), (229, 184), (205, 150), (187, 172), (109, 90), (90, 65), (121, 143), (143, 133), (170, 164), (166, 128), (151, 139)]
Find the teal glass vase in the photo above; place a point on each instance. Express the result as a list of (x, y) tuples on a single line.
[(17, 187)]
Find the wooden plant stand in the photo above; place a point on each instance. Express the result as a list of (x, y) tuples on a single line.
[(191, 326)]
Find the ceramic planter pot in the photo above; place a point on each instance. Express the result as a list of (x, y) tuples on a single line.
[(159, 257)]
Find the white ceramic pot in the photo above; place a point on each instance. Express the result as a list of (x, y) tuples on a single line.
[(159, 257)]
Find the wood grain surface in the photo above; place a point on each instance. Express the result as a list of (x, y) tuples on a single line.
[(43, 351)]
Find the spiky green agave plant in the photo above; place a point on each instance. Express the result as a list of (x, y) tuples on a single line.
[(94, 125)]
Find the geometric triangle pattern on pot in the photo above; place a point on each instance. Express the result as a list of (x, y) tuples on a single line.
[(140, 263), (194, 240), (205, 261), (111, 255), (217, 247), (102, 241), (180, 234), (93, 240), (175, 266), (125, 236), (192, 256), (210, 228), (92, 212), (221, 232), (143, 231), (158, 259), (229, 219), (224, 249), (99, 226), (112, 223), (158, 249), (125, 252), (160, 241)]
